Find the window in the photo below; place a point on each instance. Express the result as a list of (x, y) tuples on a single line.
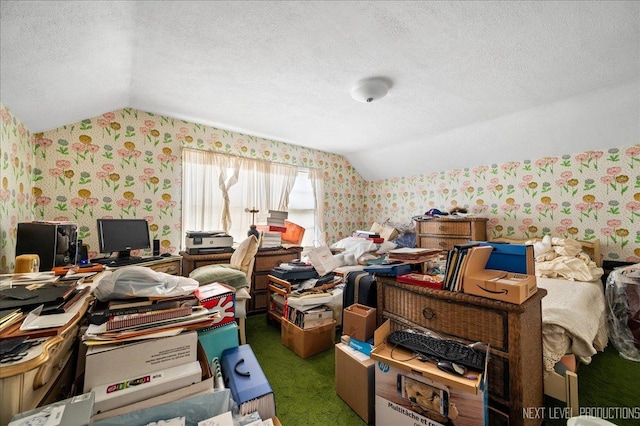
[(302, 206), (220, 190)]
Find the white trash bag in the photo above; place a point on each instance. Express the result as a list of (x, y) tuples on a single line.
[(139, 281)]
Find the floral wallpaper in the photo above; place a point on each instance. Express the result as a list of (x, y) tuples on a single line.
[(126, 163), (588, 196), (16, 178)]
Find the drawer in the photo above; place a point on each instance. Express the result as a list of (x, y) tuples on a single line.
[(260, 301), (469, 322), (267, 263), (452, 227), (498, 370), (441, 243), (260, 282), (171, 268)]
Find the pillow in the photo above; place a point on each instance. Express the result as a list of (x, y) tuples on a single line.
[(244, 254), (220, 273)]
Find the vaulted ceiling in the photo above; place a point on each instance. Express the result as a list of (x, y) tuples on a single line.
[(284, 70)]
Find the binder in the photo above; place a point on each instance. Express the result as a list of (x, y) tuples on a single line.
[(517, 258), (247, 382)]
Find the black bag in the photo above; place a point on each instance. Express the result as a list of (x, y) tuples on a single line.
[(360, 288)]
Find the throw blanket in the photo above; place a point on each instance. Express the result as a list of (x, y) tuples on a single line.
[(559, 257)]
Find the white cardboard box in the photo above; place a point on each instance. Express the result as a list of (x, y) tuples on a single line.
[(199, 388), (143, 386), (110, 363)]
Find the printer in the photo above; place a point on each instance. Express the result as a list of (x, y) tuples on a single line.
[(208, 242)]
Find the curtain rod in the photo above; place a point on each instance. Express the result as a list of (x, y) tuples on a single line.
[(186, 148)]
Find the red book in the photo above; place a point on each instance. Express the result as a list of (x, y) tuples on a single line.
[(421, 280), (271, 228)]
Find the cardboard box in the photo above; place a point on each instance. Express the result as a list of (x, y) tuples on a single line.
[(110, 363), (143, 386), (355, 381), (305, 343), (216, 340), (495, 284), (506, 286), (201, 388), (359, 321), (413, 392), (72, 411), (194, 408)]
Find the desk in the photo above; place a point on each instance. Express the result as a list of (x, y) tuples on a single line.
[(171, 265), (46, 374)]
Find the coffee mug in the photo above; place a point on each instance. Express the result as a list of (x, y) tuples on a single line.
[(27, 263)]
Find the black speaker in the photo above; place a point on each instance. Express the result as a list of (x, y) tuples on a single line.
[(84, 254), (156, 247), (55, 243)]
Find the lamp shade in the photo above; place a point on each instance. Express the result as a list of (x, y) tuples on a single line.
[(370, 90)]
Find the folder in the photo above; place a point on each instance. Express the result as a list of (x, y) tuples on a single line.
[(517, 258), (249, 387)]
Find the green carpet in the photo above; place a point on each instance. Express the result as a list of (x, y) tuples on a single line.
[(305, 388)]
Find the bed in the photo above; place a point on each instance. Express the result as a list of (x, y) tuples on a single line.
[(573, 311)]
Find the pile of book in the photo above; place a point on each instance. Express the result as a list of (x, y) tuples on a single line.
[(413, 254), (273, 230), (125, 320), (307, 317), (44, 294), (369, 235)]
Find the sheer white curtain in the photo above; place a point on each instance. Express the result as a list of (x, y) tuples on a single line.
[(206, 180), (218, 190), (317, 182)]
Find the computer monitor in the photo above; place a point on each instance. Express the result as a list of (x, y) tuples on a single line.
[(122, 236)]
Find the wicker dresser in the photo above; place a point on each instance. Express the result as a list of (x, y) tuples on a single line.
[(445, 232), (513, 331)]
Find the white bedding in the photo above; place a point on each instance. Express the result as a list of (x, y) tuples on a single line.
[(573, 311), (573, 319)]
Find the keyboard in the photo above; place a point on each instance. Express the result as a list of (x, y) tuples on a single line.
[(115, 262), (442, 349)]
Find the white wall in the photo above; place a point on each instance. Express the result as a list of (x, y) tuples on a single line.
[(601, 119)]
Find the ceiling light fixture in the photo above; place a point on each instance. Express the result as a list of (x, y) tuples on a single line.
[(370, 90)]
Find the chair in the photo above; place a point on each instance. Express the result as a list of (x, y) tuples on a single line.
[(237, 274)]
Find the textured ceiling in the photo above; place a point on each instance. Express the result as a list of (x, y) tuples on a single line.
[(284, 70)]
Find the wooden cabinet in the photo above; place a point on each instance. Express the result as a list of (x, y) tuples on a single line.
[(264, 262), (514, 333), (444, 232), (193, 261), (169, 265)]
